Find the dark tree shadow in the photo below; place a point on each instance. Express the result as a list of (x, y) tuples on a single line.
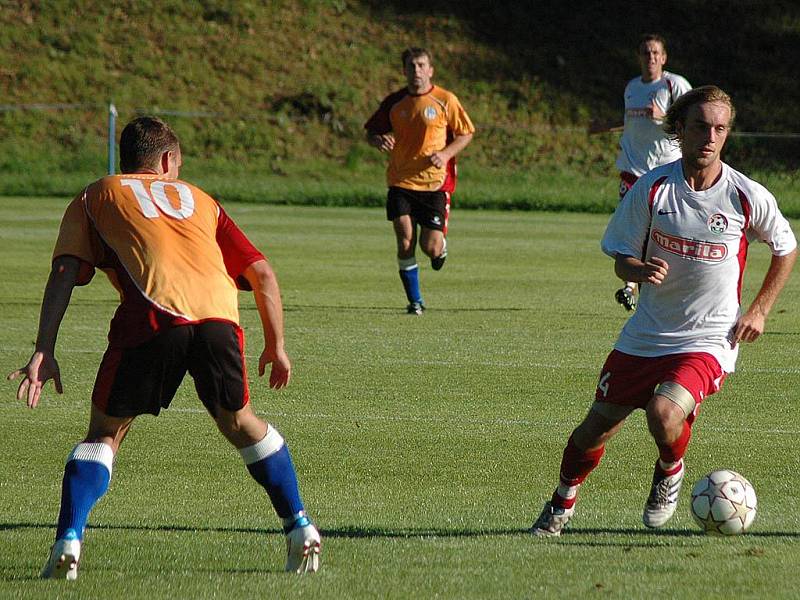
[(586, 51)]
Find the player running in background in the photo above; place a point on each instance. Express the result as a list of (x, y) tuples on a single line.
[(176, 258), (694, 219), (422, 127), (644, 144)]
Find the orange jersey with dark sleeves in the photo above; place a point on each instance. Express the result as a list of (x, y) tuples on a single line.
[(162, 243), (422, 125)]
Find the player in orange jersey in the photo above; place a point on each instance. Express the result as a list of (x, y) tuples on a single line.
[(176, 258), (422, 127)]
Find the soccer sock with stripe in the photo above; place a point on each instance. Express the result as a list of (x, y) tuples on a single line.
[(670, 455), (86, 478), (270, 464), (576, 464), (409, 275)]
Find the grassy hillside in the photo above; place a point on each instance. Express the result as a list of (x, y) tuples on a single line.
[(269, 98)]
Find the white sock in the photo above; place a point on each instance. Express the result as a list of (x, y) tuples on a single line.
[(668, 467), (567, 492)]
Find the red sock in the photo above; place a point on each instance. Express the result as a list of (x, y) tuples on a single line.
[(674, 452), (576, 464)]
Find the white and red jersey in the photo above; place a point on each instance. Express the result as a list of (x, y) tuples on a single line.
[(644, 144), (703, 236)]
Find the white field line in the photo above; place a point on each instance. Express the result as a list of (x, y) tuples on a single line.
[(533, 424), (460, 420), (449, 363)]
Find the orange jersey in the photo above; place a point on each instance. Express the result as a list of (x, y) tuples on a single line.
[(422, 125), (158, 233)]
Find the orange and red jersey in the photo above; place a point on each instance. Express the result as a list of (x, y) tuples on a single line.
[(422, 125), (166, 246)]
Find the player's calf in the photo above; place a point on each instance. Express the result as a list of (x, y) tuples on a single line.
[(437, 262)]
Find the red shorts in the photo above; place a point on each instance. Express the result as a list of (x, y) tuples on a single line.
[(626, 181), (631, 381)]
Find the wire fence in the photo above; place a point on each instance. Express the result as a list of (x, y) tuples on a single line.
[(113, 114)]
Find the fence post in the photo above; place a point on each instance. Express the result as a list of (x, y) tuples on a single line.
[(112, 137)]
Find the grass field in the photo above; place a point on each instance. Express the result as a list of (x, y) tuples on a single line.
[(425, 446)]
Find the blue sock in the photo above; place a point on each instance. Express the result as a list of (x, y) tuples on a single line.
[(86, 478), (409, 275), (270, 464)]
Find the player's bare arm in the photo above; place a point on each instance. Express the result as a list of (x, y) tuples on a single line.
[(267, 295), (384, 142), (439, 159), (42, 365), (604, 126), (751, 324), (653, 271)]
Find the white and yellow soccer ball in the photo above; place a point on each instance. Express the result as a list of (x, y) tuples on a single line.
[(724, 503)]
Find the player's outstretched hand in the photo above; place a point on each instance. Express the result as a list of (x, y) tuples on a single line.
[(40, 368), (281, 371), (655, 270)]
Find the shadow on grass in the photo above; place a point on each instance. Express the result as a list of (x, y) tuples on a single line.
[(395, 309), (572, 536)]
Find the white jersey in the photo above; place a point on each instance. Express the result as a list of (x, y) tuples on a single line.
[(703, 236), (644, 144)]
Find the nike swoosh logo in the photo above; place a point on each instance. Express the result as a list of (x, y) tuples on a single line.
[(661, 211)]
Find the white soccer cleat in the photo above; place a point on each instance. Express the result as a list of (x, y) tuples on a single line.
[(63, 562), (303, 546), (663, 499), (552, 521)]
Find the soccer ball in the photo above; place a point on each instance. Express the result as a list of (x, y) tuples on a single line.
[(724, 503)]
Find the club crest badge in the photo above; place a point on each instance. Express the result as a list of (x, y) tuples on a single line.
[(717, 223), (430, 113)]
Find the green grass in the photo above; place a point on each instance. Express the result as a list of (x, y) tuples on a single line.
[(425, 446), (269, 92), (363, 184)]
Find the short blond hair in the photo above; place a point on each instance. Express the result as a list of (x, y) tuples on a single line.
[(700, 95)]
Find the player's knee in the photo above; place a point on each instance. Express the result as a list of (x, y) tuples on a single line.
[(405, 248), (241, 427), (594, 431), (664, 418)]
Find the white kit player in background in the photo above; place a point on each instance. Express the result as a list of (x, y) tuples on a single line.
[(682, 231), (644, 144)]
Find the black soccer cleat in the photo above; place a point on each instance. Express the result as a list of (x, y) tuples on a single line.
[(627, 298), (415, 308), (438, 262)]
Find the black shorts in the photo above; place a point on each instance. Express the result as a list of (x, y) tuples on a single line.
[(429, 209), (144, 379)]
